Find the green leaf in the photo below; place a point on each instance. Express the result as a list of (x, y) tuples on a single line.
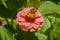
[(3, 2), (48, 7), (7, 13), (40, 36), (11, 4), (56, 30), (2, 37), (46, 26), (14, 24), (34, 3), (51, 19), (5, 34), (59, 3)]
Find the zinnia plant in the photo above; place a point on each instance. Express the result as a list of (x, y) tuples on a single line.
[(30, 19)]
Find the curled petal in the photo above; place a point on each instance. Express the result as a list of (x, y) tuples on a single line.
[(24, 28), (32, 30), (34, 26), (26, 10), (21, 13), (38, 13), (27, 24), (20, 19), (22, 23), (39, 28), (39, 19)]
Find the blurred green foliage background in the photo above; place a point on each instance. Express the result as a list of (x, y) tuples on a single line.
[(50, 9)]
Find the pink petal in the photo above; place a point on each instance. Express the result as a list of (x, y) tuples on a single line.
[(33, 25), (27, 24), (38, 13), (32, 30), (22, 23), (39, 19), (42, 25), (26, 10), (24, 28), (39, 28), (20, 19), (21, 13)]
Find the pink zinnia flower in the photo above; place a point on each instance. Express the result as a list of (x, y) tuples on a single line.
[(30, 19)]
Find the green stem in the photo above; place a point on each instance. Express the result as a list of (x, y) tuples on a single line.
[(51, 33), (25, 35), (28, 3), (7, 21), (12, 22)]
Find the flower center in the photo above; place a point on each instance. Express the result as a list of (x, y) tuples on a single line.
[(31, 13)]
